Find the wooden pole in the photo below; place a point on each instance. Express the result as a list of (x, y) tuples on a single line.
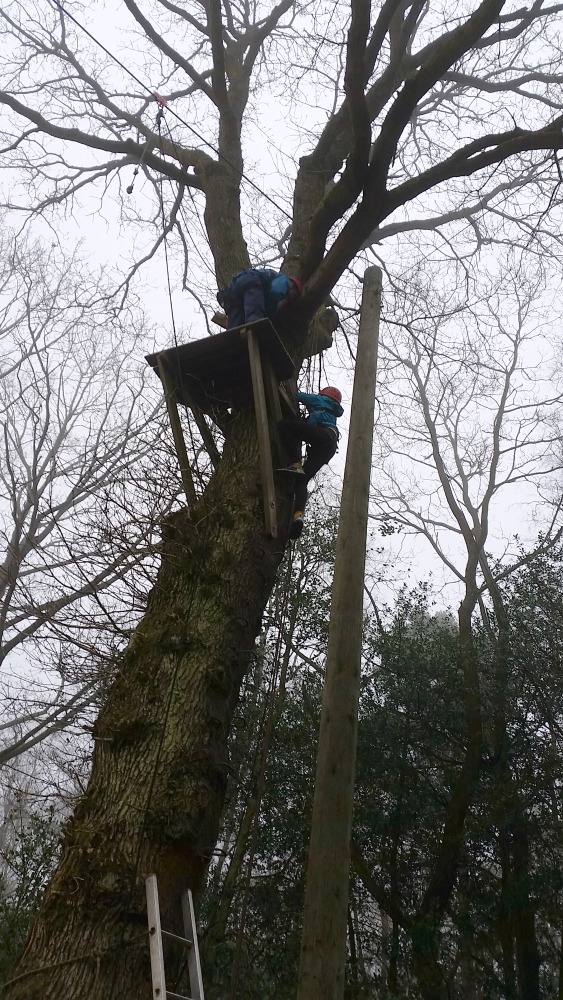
[(263, 428), (323, 943), (177, 433), (206, 435)]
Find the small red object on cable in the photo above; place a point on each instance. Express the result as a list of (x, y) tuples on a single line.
[(161, 101)]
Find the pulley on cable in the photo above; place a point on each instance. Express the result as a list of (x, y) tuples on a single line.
[(162, 104)]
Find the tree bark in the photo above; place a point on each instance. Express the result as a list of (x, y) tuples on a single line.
[(514, 833), (428, 971), (163, 731), (505, 931), (527, 953), (560, 983)]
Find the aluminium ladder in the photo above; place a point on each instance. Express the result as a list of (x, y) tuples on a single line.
[(156, 934)]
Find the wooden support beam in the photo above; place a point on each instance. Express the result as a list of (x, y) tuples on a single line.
[(274, 405), (288, 399), (177, 433), (263, 428), (206, 435), (272, 389)]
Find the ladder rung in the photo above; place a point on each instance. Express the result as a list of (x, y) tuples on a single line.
[(176, 937), (156, 935)]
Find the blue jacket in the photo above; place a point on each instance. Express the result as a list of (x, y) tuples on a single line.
[(275, 285), (322, 409)]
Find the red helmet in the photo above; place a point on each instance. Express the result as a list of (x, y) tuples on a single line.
[(332, 392), (297, 284)]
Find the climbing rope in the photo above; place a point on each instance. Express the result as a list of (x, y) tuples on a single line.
[(166, 228)]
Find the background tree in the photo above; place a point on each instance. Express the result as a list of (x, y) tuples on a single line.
[(477, 426), (159, 772), (29, 834), (411, 744), (508, 877), (75, 445)]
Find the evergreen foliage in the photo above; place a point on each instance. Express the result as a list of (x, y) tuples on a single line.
[(410, 747), (29, 842)]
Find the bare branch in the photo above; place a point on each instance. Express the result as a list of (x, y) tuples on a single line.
[(167, 49)]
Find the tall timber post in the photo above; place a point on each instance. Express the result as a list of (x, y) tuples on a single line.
[(323, 945)]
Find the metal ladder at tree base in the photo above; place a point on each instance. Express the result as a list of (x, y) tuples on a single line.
[(156, 934)]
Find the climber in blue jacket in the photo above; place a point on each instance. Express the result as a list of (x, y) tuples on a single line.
[(320, 433), (255, 293)]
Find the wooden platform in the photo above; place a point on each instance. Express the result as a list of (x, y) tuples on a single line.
[(215, 372), (238, 368)]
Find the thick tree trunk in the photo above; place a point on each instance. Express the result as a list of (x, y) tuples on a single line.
[(429, 975), (516, 925), (160, 765), (560, 983), (504, 923), (394, 951), (514, 832), (527, 953)]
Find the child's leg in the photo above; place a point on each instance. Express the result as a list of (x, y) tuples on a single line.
[(235, 313), (249, 287), (291, 435), (231, 300), (300, 495), (321, 447)]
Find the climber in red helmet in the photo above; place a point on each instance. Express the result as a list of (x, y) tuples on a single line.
[(256, 293), (320, 433)]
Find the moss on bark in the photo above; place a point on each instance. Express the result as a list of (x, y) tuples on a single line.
[(160, 767)]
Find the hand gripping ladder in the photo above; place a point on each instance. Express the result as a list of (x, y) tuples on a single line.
[(156, 934)]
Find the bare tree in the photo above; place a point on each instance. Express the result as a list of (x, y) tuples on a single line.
[(475, 406), (470, 421), (451, 98), (410, 128), (76, 431)]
